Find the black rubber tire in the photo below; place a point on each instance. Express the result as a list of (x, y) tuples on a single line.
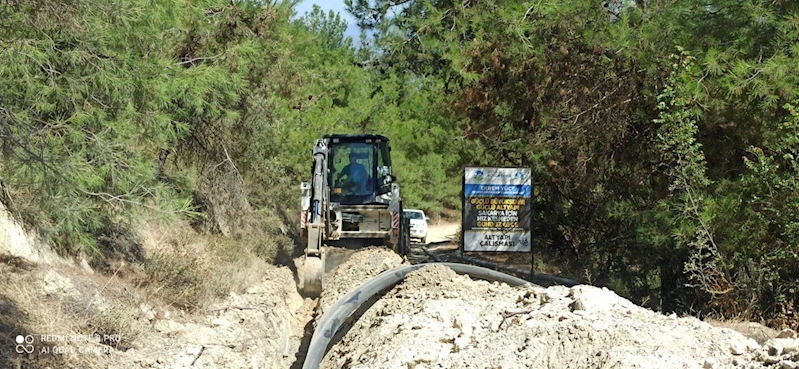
[(405, 240), (403, 246), (341, 310)]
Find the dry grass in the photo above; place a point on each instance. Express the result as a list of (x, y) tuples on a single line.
[(62, 301), (787, 315), (189, 270), (756, 331)]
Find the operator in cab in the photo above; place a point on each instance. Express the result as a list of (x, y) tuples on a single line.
[(355, 177)]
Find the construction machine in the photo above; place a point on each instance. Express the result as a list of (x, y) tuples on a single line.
[(353, 198)]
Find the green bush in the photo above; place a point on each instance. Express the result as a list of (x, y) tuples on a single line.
[(757, 218)]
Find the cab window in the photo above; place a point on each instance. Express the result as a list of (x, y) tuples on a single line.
[(350, 169)]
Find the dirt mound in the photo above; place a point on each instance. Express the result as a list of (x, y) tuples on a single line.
[(358, 268), (436, 318)]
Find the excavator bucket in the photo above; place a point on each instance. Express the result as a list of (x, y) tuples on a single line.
[(313, 269), (313, 276)]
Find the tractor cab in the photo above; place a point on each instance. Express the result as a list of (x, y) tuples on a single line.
[(360, 169)]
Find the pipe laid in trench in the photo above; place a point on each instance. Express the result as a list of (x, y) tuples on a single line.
[(341, 310)]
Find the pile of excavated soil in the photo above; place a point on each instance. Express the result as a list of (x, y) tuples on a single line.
[(354, 271), (438, 319)]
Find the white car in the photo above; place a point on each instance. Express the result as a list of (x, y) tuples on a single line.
[(418, 224)]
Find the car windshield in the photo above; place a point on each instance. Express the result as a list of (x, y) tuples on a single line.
[(414, 215)]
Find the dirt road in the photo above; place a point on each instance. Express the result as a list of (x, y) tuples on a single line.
[(443, 232)]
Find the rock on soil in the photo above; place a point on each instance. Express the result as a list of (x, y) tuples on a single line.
[(438, 319), (781, 352), (17, 242)]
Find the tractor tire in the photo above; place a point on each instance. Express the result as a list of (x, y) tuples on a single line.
[(405, 237)]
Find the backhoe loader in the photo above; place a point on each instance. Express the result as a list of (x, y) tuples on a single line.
[(353, 197)]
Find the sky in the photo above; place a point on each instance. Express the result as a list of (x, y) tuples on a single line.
[(336, 6)]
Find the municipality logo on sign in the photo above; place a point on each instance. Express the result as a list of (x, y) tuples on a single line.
[(514, 176)]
